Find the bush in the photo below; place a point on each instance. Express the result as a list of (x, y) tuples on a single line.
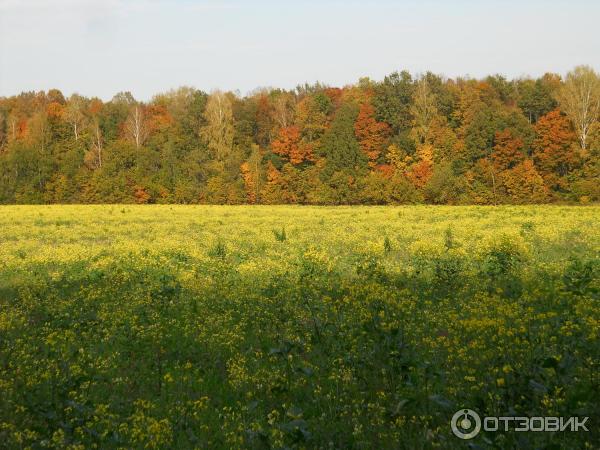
[(579, 275), (280, 236), (502, 258), (444, 187), (218, 250)]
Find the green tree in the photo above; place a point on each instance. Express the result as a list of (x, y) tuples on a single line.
[(392, 101), (340, 146)]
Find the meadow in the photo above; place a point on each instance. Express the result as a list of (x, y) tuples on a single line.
[(163, 326)]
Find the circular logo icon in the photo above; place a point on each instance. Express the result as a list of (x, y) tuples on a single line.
[(466, 424)]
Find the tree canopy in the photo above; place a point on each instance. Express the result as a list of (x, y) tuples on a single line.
[(404, 139)]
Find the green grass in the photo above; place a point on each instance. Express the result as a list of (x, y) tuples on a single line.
[(295, 327)]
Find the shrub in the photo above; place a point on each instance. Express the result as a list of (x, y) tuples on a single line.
[(218, 250), (502, 258), (280, 236), (579, 275)]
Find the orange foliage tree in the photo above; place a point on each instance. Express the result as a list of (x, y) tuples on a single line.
[(523, 184), (55, 110), (273, 191), (420, 172), (251, 174), (371, 134), (141, 194), (553, 149), (508, 150), (289, 144), (158, 117), (249, 182)]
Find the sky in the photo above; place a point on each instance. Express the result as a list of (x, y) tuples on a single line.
[(101, 47)]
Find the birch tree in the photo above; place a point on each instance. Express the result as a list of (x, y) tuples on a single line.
[(283, 109), (218, 132), (579, 98), (424, 111), (136, 125), (75, 114), (94, 157), (2, 132)]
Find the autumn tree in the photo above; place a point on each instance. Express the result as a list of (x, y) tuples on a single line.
[(55, 111), (38, 132), (553, 149), (38, 139), (290, 145), (56, 96), (283, 109), (218, 131), (251, 170), (579, 98), (264, 118), (93, 157), (398, 158), (274, 191), (75, 114), (523, 184), (16, 124), (508, 150), (136, 126), (424, 112), (311, 116), (141, 195), (370, 133), (158, 118), (2, 130), (420, 172)]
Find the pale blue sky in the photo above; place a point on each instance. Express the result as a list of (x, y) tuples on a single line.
[(100, 47)]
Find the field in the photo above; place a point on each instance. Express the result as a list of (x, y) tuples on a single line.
[(295, 327)]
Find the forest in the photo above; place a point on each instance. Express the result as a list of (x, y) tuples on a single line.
[(403, 140)]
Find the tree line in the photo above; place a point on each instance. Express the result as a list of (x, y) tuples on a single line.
[(405, 139)]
